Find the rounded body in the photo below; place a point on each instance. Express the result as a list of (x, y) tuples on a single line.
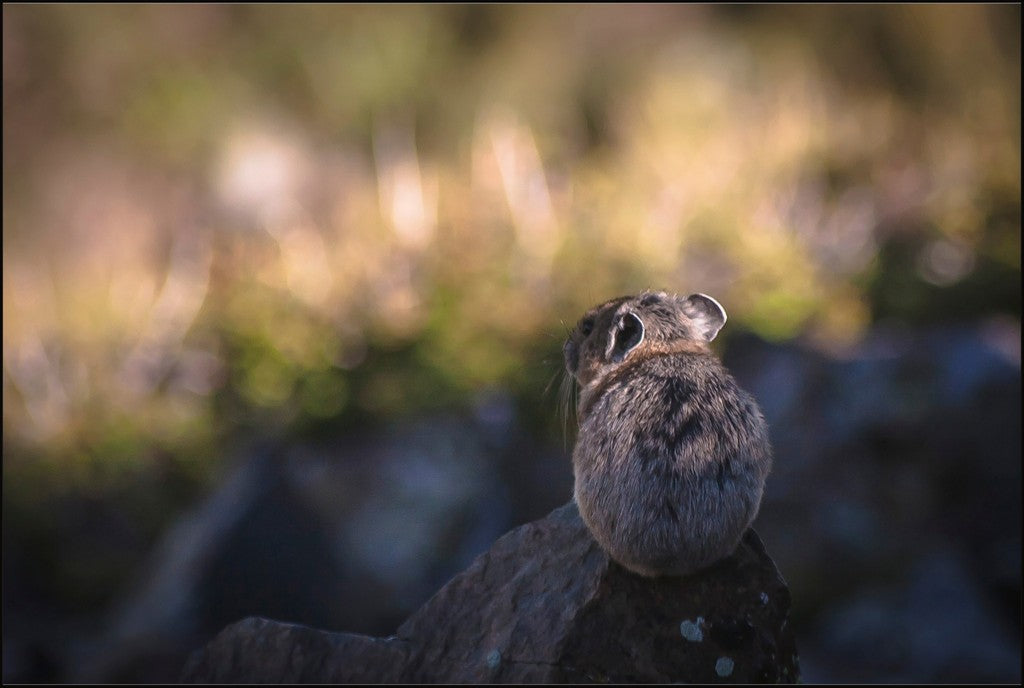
[(670, 465)]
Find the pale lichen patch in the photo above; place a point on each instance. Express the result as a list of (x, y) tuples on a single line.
[(691, 630)]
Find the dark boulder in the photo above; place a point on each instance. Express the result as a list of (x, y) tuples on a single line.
[(545, 604)]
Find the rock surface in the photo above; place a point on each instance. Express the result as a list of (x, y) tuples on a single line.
[(545, 604)]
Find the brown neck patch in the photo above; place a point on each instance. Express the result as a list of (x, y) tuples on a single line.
[(680, 346), (589, 396)]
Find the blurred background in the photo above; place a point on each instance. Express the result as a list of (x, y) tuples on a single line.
[(285, 289)]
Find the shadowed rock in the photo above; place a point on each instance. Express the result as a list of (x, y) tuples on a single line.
[(545, 604)]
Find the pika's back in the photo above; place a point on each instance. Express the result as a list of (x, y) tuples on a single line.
[(672, 455)]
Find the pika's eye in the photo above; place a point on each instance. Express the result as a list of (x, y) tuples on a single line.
[(586, 327)]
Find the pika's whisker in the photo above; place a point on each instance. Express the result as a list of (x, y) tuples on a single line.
[(566, 405), (547, 387)]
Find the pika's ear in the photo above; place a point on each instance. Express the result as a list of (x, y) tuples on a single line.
[(705, 313), (626, 334)]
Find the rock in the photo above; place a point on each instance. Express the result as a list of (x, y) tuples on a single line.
[(545, 604), (257, 650), (253, 547), (899, 461)]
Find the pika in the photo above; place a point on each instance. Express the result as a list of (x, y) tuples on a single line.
[(671, 456)]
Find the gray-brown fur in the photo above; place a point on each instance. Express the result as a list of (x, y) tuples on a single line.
[(672, 455)]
